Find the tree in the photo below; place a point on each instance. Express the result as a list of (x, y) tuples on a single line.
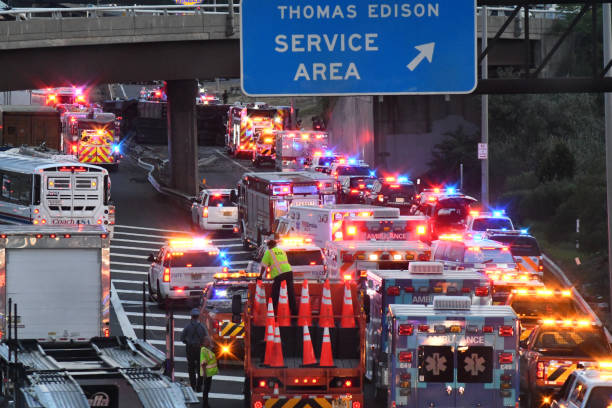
[(558, 164)]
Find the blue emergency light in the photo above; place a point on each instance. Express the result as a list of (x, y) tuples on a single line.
[(498, 213), (352, 161), (402, 179), (116, 148), (329, 153), (222, 254), (220, 294), (524, 231), (451, 190), (372, 173)]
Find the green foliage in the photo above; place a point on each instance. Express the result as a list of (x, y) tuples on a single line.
[(557, 164)]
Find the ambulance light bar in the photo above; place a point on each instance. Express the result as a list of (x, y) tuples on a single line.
[(281, 189), (236, 275), (194, 243), (452, 303), (542, 292), (295, 241), (451, 237), (426, 267)]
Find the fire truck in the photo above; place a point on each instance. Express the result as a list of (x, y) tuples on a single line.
[(350, 260), (92, 137), (55, 96), (296, 150), (265, 147), (245, 123), (452, 354), (263, 197), (419, 285), (338, 385)]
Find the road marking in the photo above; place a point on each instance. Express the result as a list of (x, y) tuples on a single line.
[(129, 291), (124, 322), (163, 343), (134, 248), (142, 265), (129, 272), (233, 161), (138, 302), (121, 254), (151, 229), (225, 396), (132, 240), (155, 328), (228, 378), (162, 315), (132, 282), (140, 235)]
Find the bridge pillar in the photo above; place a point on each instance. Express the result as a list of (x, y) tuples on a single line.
[(182, 135)]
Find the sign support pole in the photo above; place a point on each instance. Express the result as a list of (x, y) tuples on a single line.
[(484, 124), (607, 51)]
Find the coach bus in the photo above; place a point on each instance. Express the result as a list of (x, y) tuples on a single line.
[(45, 192)]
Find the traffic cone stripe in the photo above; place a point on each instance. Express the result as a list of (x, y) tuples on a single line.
[(327, 359), (284, 314), (348, 318), (277, 360), (305, 315), (259, 311), (308, 357), (270, 328), (326, 315)]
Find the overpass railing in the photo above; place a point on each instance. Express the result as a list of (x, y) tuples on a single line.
[(215, 7)]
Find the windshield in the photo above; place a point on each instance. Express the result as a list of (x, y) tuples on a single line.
[(601, 397), (361, 183), (326, 161), (533, 307), (572, 342), (451, 214), (304, 258), (407, 190), (519, 246), (353, 171), (192, 259), (487, 255), (221, 296), (483, 224), (222, 200)]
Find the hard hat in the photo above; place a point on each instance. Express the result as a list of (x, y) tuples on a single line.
[(195, 312)]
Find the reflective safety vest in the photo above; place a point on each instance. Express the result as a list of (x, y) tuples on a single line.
[(277, 260), (208, 362)]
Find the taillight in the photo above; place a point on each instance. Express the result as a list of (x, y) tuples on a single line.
[(405, 330), (540, 370), (381, 198), (423, 328), (405, 357), (423, 257), (487, 329), (393, 291), (338, 236), (409, 289), (505, 358), (506, 331), (481, 291), (541, 267), (215, 324), (351, 230), (74, 148), (166, 276), (205, 212), (421, 229), (106, 332), (465, 290), (347, 258)]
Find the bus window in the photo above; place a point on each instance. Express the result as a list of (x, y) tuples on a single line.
[(36, 190)]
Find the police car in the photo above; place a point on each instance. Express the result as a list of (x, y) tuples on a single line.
[(480, 222), (524, 249), (216, 312), (488, 256), (305, 258), (344, 168), (392, 191), (452, 354), (322, 163), (590, 388), (181, 269), (354, 189), (215, 209)]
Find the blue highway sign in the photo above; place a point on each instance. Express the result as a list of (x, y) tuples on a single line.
[(352, 47)]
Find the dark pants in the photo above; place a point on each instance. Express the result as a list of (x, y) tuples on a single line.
[(207, 385), (287, 277), (193, 366)]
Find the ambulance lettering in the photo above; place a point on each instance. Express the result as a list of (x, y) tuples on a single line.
[(421, 299)]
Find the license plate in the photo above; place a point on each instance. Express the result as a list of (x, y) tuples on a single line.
[(196, 276), (399, 200), (342, 402), (227, 213)]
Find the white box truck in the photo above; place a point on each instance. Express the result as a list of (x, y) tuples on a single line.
[(60, 279)]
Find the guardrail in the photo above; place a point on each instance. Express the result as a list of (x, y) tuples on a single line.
[(117, 11), (222, 7)]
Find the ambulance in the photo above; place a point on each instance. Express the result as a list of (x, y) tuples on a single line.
[(452, 354), (321, 223), (350, 260), (419, 285), (295, 149), (264, 197), (305, 258)]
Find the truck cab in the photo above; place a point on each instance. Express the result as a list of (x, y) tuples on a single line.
[(452, 354)]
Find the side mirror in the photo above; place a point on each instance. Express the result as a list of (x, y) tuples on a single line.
[(236, 308), (523, 344), (151, 258), (366, 307)]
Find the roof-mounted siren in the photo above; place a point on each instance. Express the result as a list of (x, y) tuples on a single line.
[(452, 303), (426, 267)]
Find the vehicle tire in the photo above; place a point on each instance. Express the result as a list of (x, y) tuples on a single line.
[(150, 289), (161, 302), (246, 390), (259, 239)]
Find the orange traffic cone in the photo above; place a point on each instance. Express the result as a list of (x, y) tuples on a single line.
[(277, 360), (348, 315), (275, 392), (326, 315), (308, 357), (305, 318), (270, 346), (284, 314), (270, 320), (326, 351), (259, 309)]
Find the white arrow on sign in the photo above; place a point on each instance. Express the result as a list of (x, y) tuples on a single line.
[(426, 51)]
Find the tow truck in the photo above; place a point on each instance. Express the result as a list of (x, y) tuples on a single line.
[(452, 354), (534, 304), (419, 285), (181, 269), (524, 249), (392, 191), (216, 312), (295, 149), (323, 223), (309, 386), (264, 197), (446, 208), (98, 372), (305, 258), (553, 350), (350, 260)]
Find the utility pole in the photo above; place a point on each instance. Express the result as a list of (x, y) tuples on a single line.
[(484, 122), (607, 51)]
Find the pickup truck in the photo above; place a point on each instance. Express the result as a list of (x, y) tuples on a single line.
[(585, 389), (554, 350)]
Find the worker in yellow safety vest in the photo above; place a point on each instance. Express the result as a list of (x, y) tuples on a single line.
[(280, 270), (208, 368)]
